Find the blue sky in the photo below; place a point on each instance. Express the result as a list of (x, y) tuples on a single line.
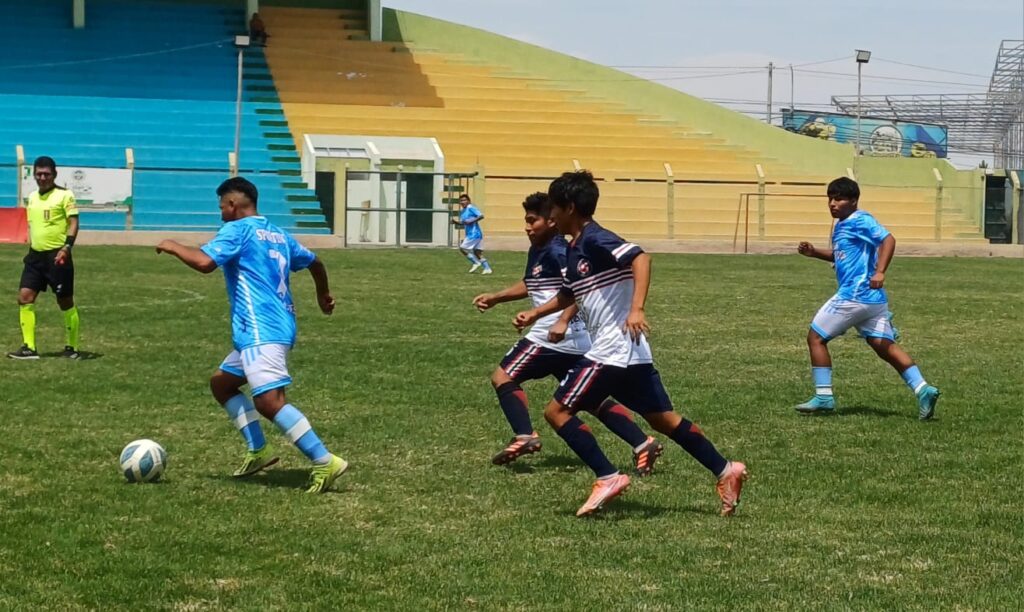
[(719, 49)]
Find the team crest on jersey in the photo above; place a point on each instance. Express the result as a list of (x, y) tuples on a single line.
[(537, 269), (583, 267)]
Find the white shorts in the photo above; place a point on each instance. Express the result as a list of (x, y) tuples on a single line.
[(264, 367), (472, 244), (836, 316)]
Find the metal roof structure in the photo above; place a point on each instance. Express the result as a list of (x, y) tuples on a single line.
[(989, 123)]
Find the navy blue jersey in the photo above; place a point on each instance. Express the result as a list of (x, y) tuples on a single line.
[(543, 278), (599, 277)]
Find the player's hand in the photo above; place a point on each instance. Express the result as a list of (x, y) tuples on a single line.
[(557, 331), (484, 301), (456, 222), (166, 246), (636, 325), (326, 303), (61, 257), (524, 319), (805, 248), (877, 280)]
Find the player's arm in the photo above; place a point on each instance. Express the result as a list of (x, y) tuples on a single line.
[(69, 241), (556, 333), (323, 289), (517, 291), (190, 256), (885, 253), (561, 301), (809, 250), (636, 323)]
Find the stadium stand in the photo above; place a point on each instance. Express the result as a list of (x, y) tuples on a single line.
[(517, 112), (160, 78)]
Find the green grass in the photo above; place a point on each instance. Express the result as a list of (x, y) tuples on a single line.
[(865, 509)]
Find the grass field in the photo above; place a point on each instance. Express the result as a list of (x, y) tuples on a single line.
[(864, 509)]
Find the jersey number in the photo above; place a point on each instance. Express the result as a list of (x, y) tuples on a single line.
[(282, 264)]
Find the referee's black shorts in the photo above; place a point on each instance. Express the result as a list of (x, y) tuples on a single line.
[(41, 272)]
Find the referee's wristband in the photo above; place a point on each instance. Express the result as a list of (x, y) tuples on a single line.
[(69, 242)]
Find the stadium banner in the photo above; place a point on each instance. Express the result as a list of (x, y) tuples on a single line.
[(881, 137), (99, 187)]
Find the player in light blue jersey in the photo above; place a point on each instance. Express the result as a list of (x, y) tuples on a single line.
[(472, 245), (257, 258), (861, 251)]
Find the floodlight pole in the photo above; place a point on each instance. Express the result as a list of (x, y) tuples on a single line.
[(859, 64), (241, 42), (862, 58), (771, 68)]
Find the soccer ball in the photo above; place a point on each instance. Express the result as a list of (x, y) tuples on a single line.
[(143, 461)]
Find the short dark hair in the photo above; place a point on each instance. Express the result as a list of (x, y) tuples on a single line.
[(240, 185), (843, 188), (465, 195), (577, 188), (538, 204), (45, 162)]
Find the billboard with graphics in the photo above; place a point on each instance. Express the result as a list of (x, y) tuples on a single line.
[(95, 186), (880, 137)]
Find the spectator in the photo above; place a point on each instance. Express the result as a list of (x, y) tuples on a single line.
[(258, 30)]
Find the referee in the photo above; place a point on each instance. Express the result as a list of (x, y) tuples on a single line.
[(53, 226)]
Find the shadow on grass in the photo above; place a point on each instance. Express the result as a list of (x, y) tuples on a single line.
[(629, 509), (82, 355), (868, 411), (294, 478)]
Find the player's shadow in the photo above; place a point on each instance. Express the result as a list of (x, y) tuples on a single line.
[(561, 463), (867, 411), (82, 355), (631, 509), (294, 478)]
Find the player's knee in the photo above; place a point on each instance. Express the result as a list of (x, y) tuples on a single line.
[(66, 302), (815, 339), (269, 403), (663, 422), (500, 377), (556, 414), (26, 296)]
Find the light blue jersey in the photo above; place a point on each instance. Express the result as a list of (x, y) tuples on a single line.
[(468, 217), (855, 242), (257, 258)]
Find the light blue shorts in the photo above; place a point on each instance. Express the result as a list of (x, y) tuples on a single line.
[(265, 367), (836, 316)]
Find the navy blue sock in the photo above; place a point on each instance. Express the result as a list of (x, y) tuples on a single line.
[(577, 435), (513, 404), (619, 420), (692, 439)]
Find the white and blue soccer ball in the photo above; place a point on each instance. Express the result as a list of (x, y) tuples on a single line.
[(143, 461)]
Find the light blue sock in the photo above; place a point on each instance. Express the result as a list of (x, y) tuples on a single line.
[(486, 265), (912, 376), (472, 259), (822, 381), (294, 425), (246, 420)]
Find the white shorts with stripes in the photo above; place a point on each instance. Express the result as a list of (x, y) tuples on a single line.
[(836, 316), (264, 367)]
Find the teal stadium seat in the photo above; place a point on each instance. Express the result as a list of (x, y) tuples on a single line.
[(160, 78)]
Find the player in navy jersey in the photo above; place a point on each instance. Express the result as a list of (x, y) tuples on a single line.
[(608, 279), (861, 251), (257, 258), (552, 346)]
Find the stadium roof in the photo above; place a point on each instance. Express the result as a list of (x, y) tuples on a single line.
[(989, 123)]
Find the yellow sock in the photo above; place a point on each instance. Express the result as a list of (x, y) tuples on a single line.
[(71, 327), (27, 314)]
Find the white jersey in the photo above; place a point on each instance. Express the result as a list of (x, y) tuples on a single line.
[(543, 278), (599, 277)]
